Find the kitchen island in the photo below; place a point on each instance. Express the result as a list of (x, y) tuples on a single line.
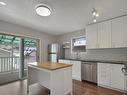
[(54, 76)]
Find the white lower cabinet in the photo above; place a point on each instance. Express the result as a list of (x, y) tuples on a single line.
[(67, 61), (76, 68), (103, 73), (61, 61), (117, 77), (111, 76)]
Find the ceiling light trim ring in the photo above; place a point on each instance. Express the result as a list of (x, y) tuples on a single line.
[(2, 3), (45, 6)]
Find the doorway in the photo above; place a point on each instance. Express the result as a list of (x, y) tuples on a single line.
[(15, 54), (30, 54)]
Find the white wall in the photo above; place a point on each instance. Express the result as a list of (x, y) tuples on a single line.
[(13, 29), (67, 37), (104, 54)]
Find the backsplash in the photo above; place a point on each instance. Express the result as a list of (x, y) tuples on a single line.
[(119, 54)]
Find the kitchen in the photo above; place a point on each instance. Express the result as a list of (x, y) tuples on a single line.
[(90, 49), (100, 63), (104, 67)]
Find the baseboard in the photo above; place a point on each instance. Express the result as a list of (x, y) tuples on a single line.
[(76, 77), (116, 89), (89, 82)]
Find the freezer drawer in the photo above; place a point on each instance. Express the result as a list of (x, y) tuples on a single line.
[(52, 57)]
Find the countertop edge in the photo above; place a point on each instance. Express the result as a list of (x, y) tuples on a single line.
[(50, 69), (101, 61)]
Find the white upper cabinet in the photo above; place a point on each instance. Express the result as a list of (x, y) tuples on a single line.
[(119, 32), (104, 34), (107, 34), (99, 35), (91, 36)]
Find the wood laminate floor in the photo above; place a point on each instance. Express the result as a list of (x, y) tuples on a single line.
[(79, 88)]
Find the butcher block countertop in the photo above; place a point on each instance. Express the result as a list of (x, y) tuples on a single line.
[(52, 66)]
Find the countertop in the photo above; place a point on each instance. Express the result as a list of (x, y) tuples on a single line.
[(52, 66), (99, 60)]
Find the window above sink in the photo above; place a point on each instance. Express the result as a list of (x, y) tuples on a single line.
[(78, 44)]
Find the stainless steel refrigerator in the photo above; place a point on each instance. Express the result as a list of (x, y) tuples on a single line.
[(55, 51)]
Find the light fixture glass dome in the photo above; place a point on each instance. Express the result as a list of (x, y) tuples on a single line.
[(43, 10), (3, 3)]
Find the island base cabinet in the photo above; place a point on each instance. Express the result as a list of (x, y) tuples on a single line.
[(111, 76), (59, 82)]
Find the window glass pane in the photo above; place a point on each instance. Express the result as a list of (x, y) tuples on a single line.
[(9, 58)]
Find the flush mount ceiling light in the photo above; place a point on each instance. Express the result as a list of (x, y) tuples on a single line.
[(43, 10), (2, 3)]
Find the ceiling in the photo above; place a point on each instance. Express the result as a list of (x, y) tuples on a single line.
[(67, 15)]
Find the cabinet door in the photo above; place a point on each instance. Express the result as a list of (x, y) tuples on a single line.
[(61, 61), (104, 34), (119, 32), (91, 36), (117, 77), (64, 61), (76, 70), (67, 61), (104, 74)]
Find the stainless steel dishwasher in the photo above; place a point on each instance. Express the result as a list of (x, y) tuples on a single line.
[(89, 71)]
